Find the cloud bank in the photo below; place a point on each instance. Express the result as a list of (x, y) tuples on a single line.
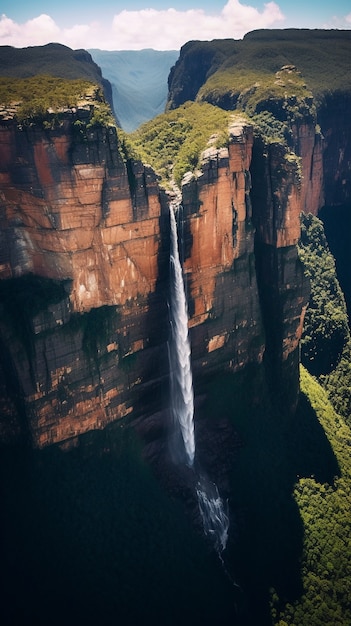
[(148, 28)]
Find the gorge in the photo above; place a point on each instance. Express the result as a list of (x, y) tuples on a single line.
[(85, 324)]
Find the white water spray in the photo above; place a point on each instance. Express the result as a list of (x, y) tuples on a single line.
[(212, 509), (214, 514)]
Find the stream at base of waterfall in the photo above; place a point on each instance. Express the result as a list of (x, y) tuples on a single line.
[(214, 512)]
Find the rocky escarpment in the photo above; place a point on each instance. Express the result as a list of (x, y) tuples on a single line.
[(247, 289), (80, 248), (245, 75), (84, 268)]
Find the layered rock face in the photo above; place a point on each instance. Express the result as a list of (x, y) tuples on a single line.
[(85, 271), (73, 214), (72, 211), (225, 316)]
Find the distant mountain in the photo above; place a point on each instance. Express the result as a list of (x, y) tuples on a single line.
[(139, 82)]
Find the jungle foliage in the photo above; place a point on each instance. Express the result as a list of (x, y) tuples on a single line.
[(326, 344), (325, 511), (290, 503)]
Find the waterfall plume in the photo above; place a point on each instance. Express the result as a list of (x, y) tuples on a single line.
[(182, 441)]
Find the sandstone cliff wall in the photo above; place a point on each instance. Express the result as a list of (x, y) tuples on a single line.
[(80, 252), (244, 276)]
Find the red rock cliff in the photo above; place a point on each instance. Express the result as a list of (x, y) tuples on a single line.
[(68, 213), (73, 214), (246, 286)]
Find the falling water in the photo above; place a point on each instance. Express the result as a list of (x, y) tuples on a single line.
[(214, 514), (212, 509), (182, 396)]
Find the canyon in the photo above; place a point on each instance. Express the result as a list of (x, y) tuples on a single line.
[(84, 267)]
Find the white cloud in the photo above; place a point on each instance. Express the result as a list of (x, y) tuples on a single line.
[(335, 21), (147, 28), (35, 32), (171, 28)]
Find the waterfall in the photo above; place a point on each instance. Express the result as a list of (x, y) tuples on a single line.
[(182, 396), (182, 441)]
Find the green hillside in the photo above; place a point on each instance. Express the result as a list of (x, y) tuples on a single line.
[(43, 98), (326, 342), (290, 542), (53, 58), (325, 508)]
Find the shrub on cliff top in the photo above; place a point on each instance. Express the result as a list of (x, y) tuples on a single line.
[(32, 98)]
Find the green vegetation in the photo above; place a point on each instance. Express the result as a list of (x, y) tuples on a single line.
[(233, 66), (53, 59), (338, 384), (325, 512), (172, 142), (44, 97), (290, 502), (326, 329), (326, 344), (284, 93)]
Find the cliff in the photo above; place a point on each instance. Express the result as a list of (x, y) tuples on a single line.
[(80, 247), (84, 269), (245, 75)]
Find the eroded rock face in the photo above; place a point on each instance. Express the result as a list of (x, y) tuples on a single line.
[(246, 285), (225, 317), (73, 214), (85, 270), (69, 211)]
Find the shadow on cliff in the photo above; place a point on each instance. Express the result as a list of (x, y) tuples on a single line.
[(266, 540)]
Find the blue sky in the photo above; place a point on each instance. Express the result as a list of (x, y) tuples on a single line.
[(159, 24)]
